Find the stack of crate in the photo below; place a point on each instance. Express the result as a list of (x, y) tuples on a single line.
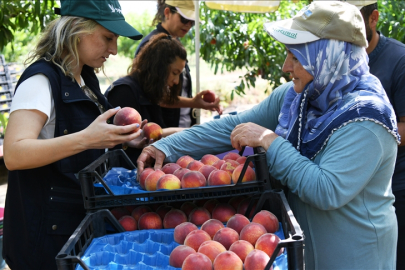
[(8, 79)]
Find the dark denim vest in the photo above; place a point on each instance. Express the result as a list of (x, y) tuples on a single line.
[(44, 205)]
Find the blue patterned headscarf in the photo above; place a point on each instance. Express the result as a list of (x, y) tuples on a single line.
[(341, 92)]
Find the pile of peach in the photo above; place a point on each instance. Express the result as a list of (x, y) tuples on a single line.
[(190, 173)]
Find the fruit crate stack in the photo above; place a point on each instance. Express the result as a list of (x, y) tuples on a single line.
[(82, 249), (8, 79)]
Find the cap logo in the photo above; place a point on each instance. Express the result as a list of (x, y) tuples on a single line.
[(305, 13), (114, 9), (286, 33)]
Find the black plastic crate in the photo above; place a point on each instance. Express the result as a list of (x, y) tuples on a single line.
[(102, 222), (95, 172)]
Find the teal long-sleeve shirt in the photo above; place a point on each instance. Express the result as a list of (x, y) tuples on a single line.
[(342, 198)]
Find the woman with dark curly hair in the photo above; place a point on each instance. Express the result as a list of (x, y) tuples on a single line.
[(154, 81)]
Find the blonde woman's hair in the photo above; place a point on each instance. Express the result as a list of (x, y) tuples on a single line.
[(58, 42)]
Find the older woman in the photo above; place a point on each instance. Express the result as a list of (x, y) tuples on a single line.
[(330, 136)]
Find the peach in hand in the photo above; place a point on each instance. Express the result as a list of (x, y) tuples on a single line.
[(209, 96), (127, 116), (152, 131)]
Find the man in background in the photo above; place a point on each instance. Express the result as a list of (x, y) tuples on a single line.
[(387, 63)]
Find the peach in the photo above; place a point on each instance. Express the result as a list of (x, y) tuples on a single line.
[(237, 222), (195, 165), (211, 248), (211, 226), (268, 220), (170, 168), (228, 260), (199, 215), (234, 201), (182, 230), (139, 211), (231, 155), (242, 161), (210, 205), (150, 220), (243, 206), (130, 208), (195, 238), (180, 172), (187, 207), (193, 179), (127, 116), (250, 174), (219, 177), (119, 212), (252, 232), (206, 170), (143, 175), (226, 236), (152, 179), (257, 260), (241, 248), (162, 210), (192, 260), (128, 223), (152, 131), (173, 218), (223, 212), (229, 166), (209, 96), (268, 243), (168, 181), (184, 161), (179, 254), (218, 164), (209, 159)]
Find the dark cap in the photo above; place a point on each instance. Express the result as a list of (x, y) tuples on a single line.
[(107, 13)]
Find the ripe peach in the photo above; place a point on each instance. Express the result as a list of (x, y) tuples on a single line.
[(173, 218), (195, 238), (218, 164), (180, 172), (150, 220), (241, 248), (252, 232), (184, 161), (119, 212), (170, 168), (168, 181), (143, 175), (193, 179), (231, 155), (226, 236), (237, 222), (257, 260), (206, 170), (139, 211), (128, 223), (211, 248), (243, 206), (209, 159), (162, 210), (250, 174), (229, 166), (242, 161), (127, 116), (210, 205), (211, 226), (182, 230), (228, 260), (199, 215), (223, 212), (152, 179), (219, 177), (179, 254), (234, 201), (187, 207), (195, 165), (152, 131), (268, 243), (192, 260), (268, 220), (209, 96)]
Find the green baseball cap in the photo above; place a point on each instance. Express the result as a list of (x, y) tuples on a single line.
[(107, 13)]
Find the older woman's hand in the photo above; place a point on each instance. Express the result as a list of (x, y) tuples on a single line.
[(253, 135), (149, 155)]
